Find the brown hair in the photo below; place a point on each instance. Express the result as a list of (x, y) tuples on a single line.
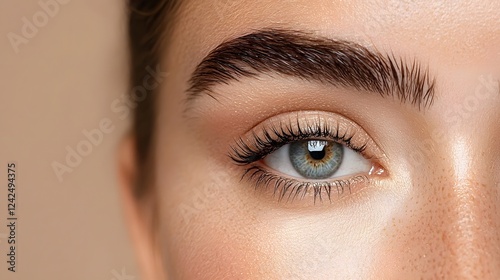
[(149, 24)]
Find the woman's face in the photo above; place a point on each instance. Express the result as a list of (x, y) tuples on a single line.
[(251, 181)]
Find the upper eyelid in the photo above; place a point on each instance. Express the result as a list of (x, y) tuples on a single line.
[(322, 119), (321, 134)]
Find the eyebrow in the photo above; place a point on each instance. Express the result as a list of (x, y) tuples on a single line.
[(294, 53)]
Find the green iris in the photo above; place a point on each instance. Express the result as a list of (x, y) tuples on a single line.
[(315, 159)]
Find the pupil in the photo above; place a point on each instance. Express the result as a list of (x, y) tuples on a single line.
[(317, 149), (318, 155)]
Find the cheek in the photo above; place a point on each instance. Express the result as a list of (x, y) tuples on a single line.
[(337, 243), (213, 227), (206, 230), (448, 229), (209, 234), (217, 254)]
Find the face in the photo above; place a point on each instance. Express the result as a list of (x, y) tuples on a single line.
[(329, 139)]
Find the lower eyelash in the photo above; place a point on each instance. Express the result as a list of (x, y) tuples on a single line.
[(296, 189)]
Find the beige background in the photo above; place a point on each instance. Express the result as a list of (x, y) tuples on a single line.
[(61, 81)]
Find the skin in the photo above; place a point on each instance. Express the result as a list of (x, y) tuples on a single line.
[(433, 213)]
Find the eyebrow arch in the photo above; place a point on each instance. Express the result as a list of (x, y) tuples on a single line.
[(295, 53)]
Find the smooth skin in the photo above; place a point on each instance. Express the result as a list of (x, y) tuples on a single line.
[(433, 213)]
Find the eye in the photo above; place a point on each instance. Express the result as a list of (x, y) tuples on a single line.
[(308, 154), (317, 160)]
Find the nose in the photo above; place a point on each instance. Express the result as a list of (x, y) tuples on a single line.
[(450, 228), (459, 232)]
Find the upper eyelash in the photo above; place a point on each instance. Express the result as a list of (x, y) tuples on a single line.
[(243, 154)]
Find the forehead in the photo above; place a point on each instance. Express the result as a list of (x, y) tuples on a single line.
[(469, 29)]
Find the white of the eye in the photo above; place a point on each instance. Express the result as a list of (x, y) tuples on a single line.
[(352, 163)]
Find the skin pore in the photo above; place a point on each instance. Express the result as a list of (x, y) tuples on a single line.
[(410, 89)]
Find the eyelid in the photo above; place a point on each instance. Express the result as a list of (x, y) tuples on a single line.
[(289, 189), (298, 122)]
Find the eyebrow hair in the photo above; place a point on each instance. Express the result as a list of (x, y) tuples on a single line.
[(295, 53)]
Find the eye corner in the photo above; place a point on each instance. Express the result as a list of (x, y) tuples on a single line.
[(378, 171)]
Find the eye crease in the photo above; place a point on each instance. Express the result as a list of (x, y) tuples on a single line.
[(306, 152)]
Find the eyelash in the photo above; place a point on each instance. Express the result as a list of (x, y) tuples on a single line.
[(276, 137)]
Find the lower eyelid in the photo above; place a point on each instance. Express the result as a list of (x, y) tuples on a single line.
[(291, 190)]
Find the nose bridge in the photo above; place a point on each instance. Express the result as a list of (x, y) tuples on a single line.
[(458, 218), (467, 211)]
